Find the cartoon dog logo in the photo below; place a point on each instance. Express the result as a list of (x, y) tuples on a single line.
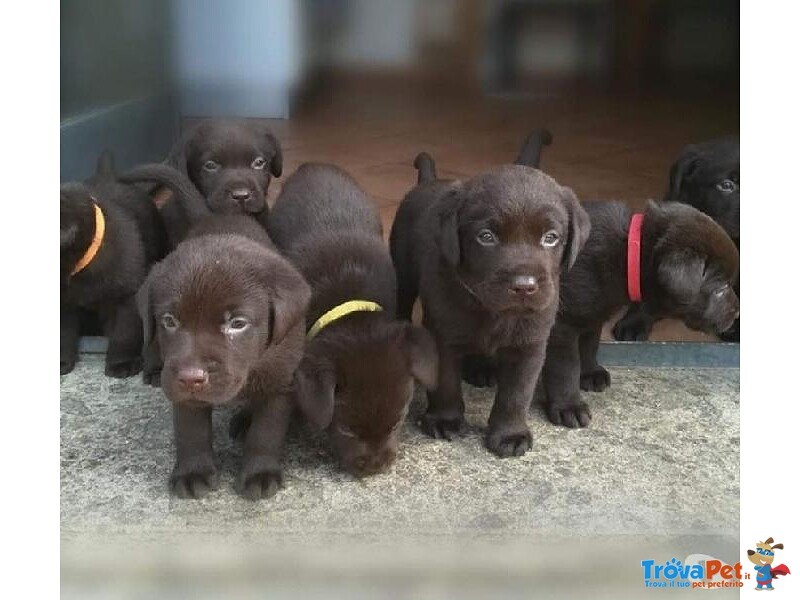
[(762, 557)]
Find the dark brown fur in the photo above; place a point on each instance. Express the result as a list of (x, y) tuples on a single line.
[(192, 304), (244, 155), (480, 295), (134, 238), (356, 378), (686, 257), (705, 176), (531, 152)]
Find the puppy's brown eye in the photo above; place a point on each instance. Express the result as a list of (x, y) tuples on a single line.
[(726, 186), (169, 322), (210, 165), (238, 324), (259, 163), (720, 292), (487, 237), (550, 239)]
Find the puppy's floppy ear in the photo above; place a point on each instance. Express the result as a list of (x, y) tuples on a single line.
[(681, 172), (682, 274), (422, 356), (271, 147), (289, 298), (447, 236), (314, 389), (276, 165), (579, 228)]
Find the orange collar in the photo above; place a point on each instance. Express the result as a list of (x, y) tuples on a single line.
[(91, 251)]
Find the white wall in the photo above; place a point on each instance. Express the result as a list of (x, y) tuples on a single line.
[(237, 57)]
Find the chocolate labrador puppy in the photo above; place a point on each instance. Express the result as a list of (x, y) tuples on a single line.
[(110, 235), (357, 376), (199, 217), (231, 163), (705, 176), (485, 257), (476, 369), (227, 313), (688, 266)]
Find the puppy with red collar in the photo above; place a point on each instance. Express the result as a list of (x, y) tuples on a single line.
[(705, 176), (672, 256)]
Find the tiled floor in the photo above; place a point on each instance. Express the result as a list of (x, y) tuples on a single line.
[(604, 147)]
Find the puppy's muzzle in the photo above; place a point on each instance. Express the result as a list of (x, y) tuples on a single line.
[(244, 198), (523, 286), (364, 466), (727, 323)]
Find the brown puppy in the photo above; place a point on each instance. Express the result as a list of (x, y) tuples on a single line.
[(705, 176), (227, 314), (198, 216), (486, 256), (230, 162), (357, 375), (688, 267), (110, 234)]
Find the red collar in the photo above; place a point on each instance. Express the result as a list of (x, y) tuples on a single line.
[(635, 257)]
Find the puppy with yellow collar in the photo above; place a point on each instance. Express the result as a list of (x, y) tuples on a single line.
[(357, 375)]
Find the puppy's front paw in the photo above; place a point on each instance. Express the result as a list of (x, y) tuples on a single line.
[(478, 370), (570, 415), (442, 426), (505, 444), (261, 479), (633, 328), (124, 368), (194, 480), (595, 380)]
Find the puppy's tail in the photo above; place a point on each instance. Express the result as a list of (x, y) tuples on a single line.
[(426, 168), (531, 152), (105, 167), (178, 183)]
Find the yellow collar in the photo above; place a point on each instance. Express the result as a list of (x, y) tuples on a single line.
[(337, 312), (91, 251)]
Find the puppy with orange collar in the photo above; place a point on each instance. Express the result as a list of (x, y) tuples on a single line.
[(110, 235)]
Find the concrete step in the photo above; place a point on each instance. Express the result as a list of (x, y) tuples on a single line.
[(659, 461)]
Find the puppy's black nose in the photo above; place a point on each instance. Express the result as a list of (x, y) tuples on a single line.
[(524, 285), (240, 194), (193, 378)]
